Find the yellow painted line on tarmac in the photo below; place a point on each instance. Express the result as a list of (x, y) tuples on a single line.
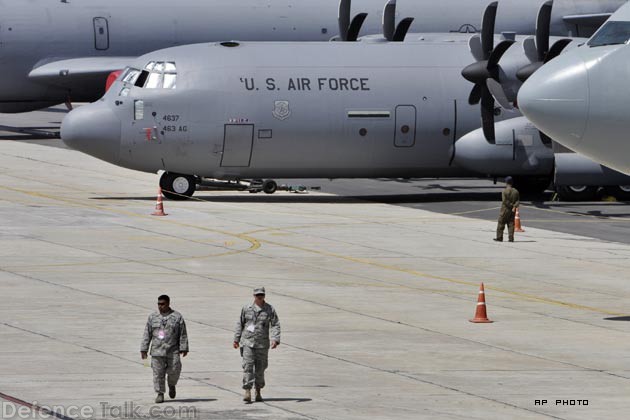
[(254, 244), (474, 211), (289, 229), (416, 273)]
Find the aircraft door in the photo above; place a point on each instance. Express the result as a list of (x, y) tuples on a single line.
[(405, 135), (101, 34), (237, 145)]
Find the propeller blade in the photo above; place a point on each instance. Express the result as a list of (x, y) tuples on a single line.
[(529, 48), (487, 29), (543, 28), (402, 29), (344, 18), (557, 48), (475, 95), (487, 114), (389, 20), (353, 31), (497, 92), (474, 44), (498, 52)]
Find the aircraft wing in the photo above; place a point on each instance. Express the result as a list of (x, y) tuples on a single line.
[(591, 20), (77, 71)]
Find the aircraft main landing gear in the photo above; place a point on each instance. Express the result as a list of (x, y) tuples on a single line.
[(177, 186), (577, 193)]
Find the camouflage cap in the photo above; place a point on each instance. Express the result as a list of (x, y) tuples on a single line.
[(259, 291)]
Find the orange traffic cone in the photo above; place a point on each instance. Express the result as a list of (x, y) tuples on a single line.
[(517, 222), (480, 314), (159, 206)]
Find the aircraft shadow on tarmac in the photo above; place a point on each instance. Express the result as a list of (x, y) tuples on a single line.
[(25, 137), (31, 133), (618, 318), (599, 214), (565, 208), (331, 199)]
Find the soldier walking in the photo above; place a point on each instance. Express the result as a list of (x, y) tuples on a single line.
[(252, 335), (510, 200), (166, 332)]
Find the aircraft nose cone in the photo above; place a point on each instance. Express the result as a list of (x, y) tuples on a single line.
[(555, 99), (93, 129)]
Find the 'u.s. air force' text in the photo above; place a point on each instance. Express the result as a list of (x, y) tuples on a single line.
[(307, 84)]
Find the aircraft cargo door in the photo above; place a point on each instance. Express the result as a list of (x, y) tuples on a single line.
[(101, 34), (237, 145), (405, 135)]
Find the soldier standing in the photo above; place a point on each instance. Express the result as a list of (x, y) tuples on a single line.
[(166, 332), (510, 200), (252, 335)]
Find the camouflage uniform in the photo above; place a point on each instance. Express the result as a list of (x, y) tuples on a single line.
[(252, 332), (510, 200), (167, 336)]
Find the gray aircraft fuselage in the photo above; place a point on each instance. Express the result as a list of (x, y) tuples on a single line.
[(36, 33), (257, 110)]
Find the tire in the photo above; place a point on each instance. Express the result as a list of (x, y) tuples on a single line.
[(178, 187), (577, 193), (620, 192), (270, 186)]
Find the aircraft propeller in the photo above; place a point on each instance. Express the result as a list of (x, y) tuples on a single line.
[(349, 30), (537, 49), (486, 68), (392, 32)]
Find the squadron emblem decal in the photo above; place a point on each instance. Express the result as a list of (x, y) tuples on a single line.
[(281, 110)]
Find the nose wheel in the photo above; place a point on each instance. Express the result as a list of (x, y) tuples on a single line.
[(177, 186)]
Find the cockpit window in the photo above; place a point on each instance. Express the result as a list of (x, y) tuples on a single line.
[(612, 33), (155, 81), (142, 78), (169, 67), (158, 75), (170, 80), (130, 75), (155, 75)]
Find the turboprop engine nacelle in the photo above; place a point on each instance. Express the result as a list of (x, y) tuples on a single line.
[(518, 150), (521, 150)]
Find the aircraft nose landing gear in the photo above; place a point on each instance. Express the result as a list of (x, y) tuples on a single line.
[(177, 186)]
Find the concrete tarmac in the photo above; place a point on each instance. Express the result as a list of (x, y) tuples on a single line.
[(374, 301)]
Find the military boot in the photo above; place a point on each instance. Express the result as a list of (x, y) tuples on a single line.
[(259, 397), (160, 398), (248, 396), (172, 392)]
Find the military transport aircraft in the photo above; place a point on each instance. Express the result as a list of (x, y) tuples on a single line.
[(581, 100), (55, 51), (373, 108)]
